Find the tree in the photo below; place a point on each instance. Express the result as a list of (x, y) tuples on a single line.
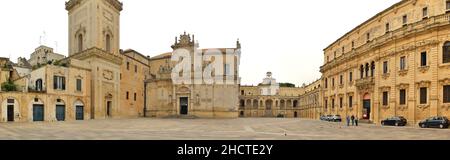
[(9, 86), (290, 85)]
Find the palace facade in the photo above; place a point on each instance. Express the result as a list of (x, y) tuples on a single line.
[(98, 80), (395, 64), (269, 99)]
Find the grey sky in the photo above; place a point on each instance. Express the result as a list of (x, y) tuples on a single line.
[(283, 36)]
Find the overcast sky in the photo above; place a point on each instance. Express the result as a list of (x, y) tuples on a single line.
[(286, 37)]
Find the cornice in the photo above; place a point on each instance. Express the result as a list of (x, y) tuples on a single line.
[(115, 3), (404, 32), (98, 53)]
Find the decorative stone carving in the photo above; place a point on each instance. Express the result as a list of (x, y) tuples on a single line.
[(422, 84), (403, 72), (108, 75), (423, 106), (385, 76), (423, 69), (402, 107)]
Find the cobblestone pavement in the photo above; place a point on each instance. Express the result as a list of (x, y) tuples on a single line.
[(212, 129)]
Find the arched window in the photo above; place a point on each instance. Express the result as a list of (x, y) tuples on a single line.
[(295, 103), (362, 71), (108, 43), (446, 52), (372, 69), (367, 69), (39, 85), (80, 43)]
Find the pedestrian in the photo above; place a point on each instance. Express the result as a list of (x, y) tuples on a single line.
[(353, 120), (348, 120), (356, 120)]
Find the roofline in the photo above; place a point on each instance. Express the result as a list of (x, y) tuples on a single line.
[(367, 21)]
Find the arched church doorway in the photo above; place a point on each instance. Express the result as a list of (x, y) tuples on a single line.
[(366, 106)]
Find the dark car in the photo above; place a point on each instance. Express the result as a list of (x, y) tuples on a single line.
[(336, 118), (394, 121), (435, 122)]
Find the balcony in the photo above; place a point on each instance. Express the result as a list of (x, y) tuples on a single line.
[(365, 83)]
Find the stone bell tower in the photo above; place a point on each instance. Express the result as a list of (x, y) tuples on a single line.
[(94, 41), (94, 23)]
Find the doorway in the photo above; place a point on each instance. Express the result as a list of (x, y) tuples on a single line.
[(108, 108), (38, 112), (366, 109), (295, 115), (10, 113), (60, 112), (79, 113), (184, 105)]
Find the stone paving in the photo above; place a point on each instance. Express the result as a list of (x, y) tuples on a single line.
[(212, 129)]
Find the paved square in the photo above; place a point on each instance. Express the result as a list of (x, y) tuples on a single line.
[(212, 129)]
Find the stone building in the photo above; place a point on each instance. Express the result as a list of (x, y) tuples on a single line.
[(310, 101), (397, 63), (268, 99), (43, 55), (206, 100), (98, 80)]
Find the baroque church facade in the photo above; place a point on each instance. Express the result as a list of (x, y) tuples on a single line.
[(98, 80)]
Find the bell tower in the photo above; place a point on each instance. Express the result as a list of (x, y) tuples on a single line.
[(94, 23)]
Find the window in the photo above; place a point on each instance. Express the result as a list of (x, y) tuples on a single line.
[(242, 92), (59, 83), (135, 68), (350, 101), (39, 85), (341, 80), (328, 58), (425, 12), (385, 98), (332, 82), (446, 52), (362, 71), (402, 63), (332, 103), (368, 37), (385, 67), (80, 43), (350, 77), (353, 44), (402, 97), (387, 27), (127, 95), (128, 65), (326, 82), (448, 5), (340, 102), (227, 69), (334, 54), (108, 43), (135, 96), (343, 50), (79, 85), (423, 95), (423, 59), (446, 94), (326, 104), (405, 20)]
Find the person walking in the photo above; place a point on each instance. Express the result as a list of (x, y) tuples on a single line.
[(353, 120), (348, 120), (356, 120)]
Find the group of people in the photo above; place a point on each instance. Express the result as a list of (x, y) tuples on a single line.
[(352, 119)]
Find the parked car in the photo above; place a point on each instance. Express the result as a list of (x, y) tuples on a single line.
[(435, 122), (336, 118), (323, 117), (394, 121), (329, 117)]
